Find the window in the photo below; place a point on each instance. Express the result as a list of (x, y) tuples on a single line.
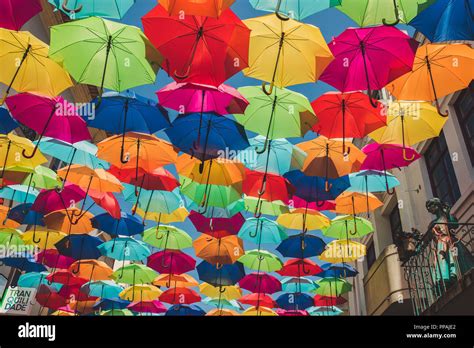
[(370, 255), (441, 171), (396, 224), (464, 107)]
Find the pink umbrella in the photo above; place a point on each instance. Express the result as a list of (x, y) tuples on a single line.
[(369, 58), (292, 313), (148, 307), (52, 258), (52, 200), (260, 283), (53, 117), (171, 262), (301, 203), (15, 13), (217, 227), (388, 156)]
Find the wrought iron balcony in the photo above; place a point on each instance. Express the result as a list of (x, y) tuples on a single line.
[(435, 276)]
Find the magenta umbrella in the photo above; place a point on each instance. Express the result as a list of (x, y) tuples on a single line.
[(260, 283), (51, 200), (53, 117), (383, 157), (52, 258), (217, 227), (198, 98), (15, 13), (155, 307), (369, 58), (171, 262)]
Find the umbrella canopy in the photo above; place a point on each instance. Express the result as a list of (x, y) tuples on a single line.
[(104, 53), (216, 226), (224, 292), (52, 258), (221, 276), (171, 262), (268, 186), (167, 237), (163, 202), (299, 267), (134, 274), (175, 280), (79, 246), (14, 14), (295, 301), (298, 284), (261, 260), (23, 264), (303, 219), (342, 251), (35, 71), (285, 53), (199, 49), (155, 307), (356, 203), (12, 154), (141, 292), (106, 289), (178, 295), (7, 123), (260, 283), (332, 287), (258, 299), (126, 225), (159, 179), (51, 200), (91, 269), (77, 9), (87, 178), (211, 8), (434, 75), (336, 270), (185, 310), (218, 251), (299, 9), (42, 237), (262, 231), (122, 249), (446, 20), (302, 246)]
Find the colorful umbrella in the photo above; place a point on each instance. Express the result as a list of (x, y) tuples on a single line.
[(76, 9), (122, 249), (167, 237), (218, 251), (294, 9), (171, 262), (262, 231), (178, 295), (295, 301), (222, 276), (302, 246), (299, 267), (211, 8), (134, 274), (261, 260), (14, 14), (126, 225), (260, 283)]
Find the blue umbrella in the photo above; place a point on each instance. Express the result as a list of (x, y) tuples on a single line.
[(127, 225), (19, 193), (447, 20), (337, 270), (76, 9), (299, 9), (105, 289), (324, 311), (298, 284), (79, 246), (211, 136), (23, 264), (313, 188), (35, 279), (7, 123), (301, 246), (23, 214), (125, 249), (224, 275), (185, 310), (262, 231), (153, 200), (120, 113), (106, 304), (295, 301)]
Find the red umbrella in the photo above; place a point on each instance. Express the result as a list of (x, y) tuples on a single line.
[(53, 117), (198, 49), (15, 13), (299, 267), (171, 262), (65, 278), (48, 298), (52, 200), (147, 307), (217, 227), (326, 301), (258, 299), (107, 201), (347, 115), (73, 293), (260, 283), (159, 179), (179, 295), (298, 202)]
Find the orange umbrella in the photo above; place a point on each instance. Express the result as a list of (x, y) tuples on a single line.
[(91, 269), (218, 251), (4, 222), (330, 158), (356, 203), (175, 280), (438, 70), (140, 150), (61, 221), (222, 312), (207, 8), (91, 179)]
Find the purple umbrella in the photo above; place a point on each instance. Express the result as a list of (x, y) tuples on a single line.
[(369, 58), (15, 13)]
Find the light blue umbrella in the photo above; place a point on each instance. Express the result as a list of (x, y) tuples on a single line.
[(19, 193), (324, 311), (35, 279), (222, 303), (75, 9), (298, 284), (105, 289), (124, 248), (262, 231), (82, 152), (295, 9), (283, 156), (164, 202)]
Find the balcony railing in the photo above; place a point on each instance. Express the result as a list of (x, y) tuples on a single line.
[(431, 273)]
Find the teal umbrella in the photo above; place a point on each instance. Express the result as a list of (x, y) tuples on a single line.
[(324, 311), (125, 248), (35, 279), (164, 202), (76, 9), (298, 284), (222, 303), (105, 289), (282, 156), (19, 193), (295, 9), (262, 231)]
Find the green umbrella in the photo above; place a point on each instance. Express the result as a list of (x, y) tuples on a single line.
[(104, 53), (389, 12), (117, 313), (43, 177), (167, 237), (261, 260), (134, 274), (262, 206), (282, 114), (332, 287), (10, 236), (347, 226)]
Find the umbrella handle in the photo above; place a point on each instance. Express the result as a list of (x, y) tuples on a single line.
[(263, 188), (278, 14), (219, 265), (406, 158), (122, 150), (182, 76), (305, 271), (319, 204), (258, 209), (438, 107), (397, 16), (34, 238), (66, 9), (50, 282), (265, 147), (264, 88), (32, 155), (327, 186), (77, 269)]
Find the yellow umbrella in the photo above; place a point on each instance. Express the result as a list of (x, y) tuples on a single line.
[(225, 292), (179, 215), (222, 312), (141, 292), (26, 66), (343, 250), (42, 237), (304, 219), (260, 312), (285, 53), (409, 123)]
